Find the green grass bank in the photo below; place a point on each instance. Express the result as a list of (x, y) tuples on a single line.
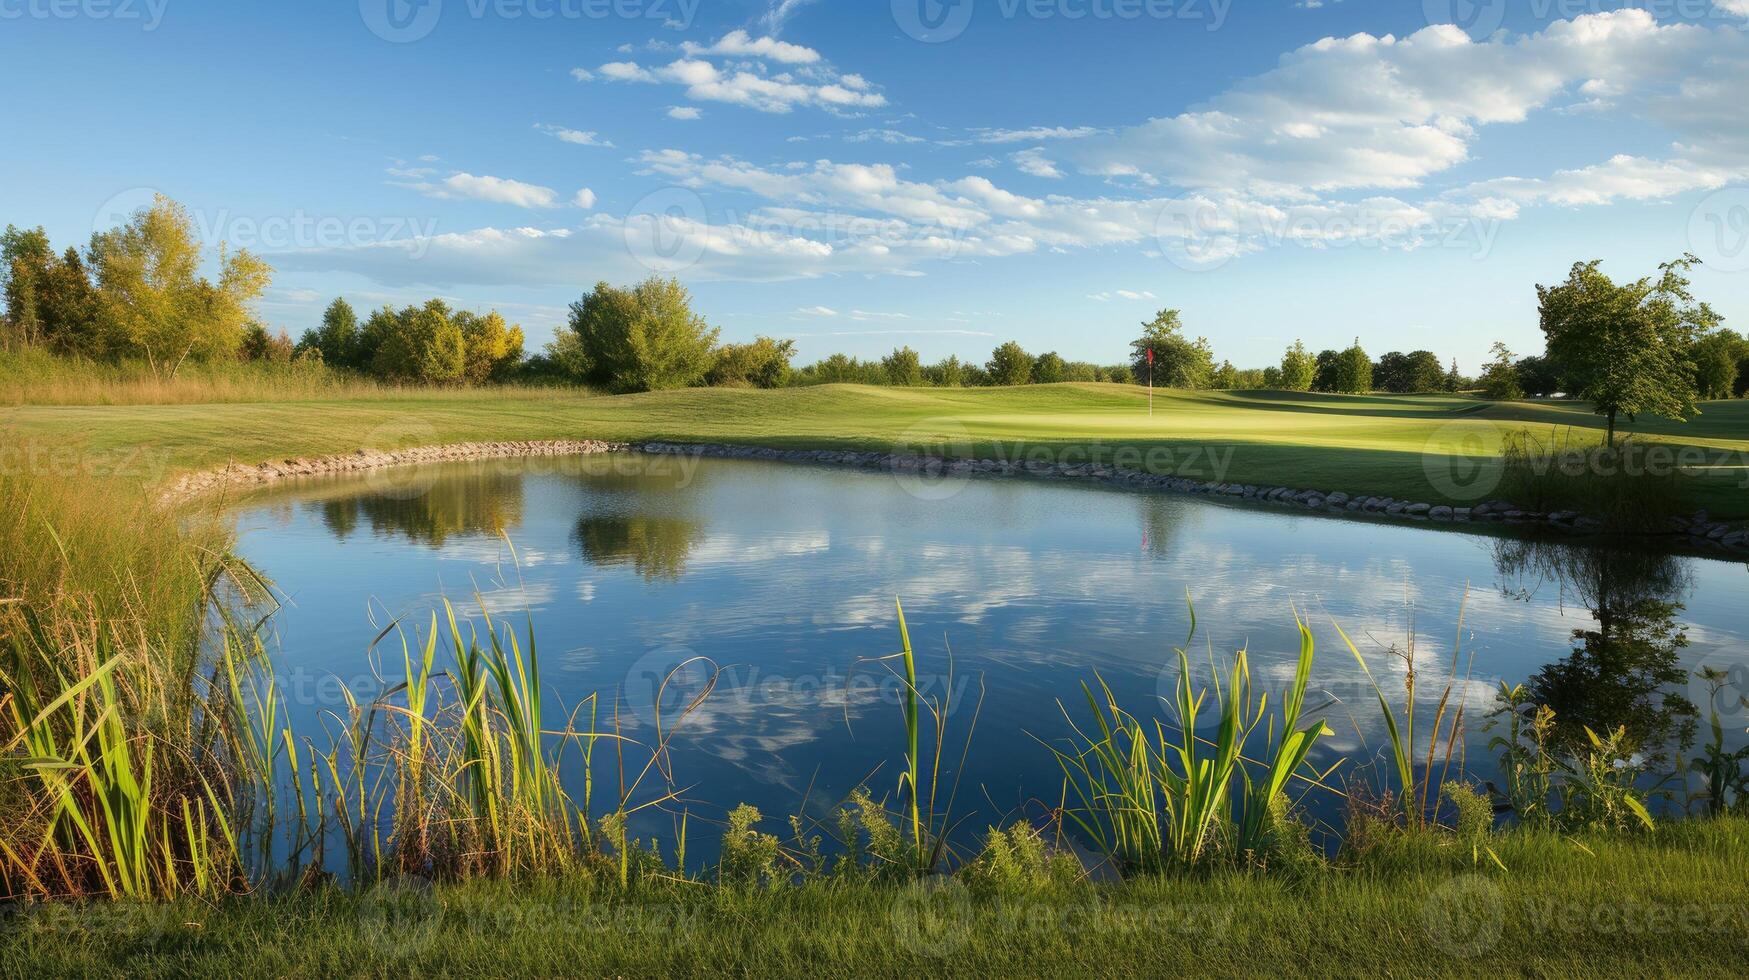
[(1670, 903), (1401, 446)]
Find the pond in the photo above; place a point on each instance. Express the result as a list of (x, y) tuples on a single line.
[(784, 578)]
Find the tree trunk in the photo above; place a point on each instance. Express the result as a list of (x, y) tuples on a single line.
[(1612, 428)]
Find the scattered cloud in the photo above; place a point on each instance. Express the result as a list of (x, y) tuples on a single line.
[(685, 113), (498, 190), (1033, 163), (575, 136), (740, 44), (703, 81)]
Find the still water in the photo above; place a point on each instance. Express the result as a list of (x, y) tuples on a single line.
[(783, 579)]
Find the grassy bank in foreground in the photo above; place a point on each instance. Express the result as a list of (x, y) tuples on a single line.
[(1671, 903), (1384, 444)]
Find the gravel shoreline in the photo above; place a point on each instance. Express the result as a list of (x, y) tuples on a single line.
[(1696, 531)]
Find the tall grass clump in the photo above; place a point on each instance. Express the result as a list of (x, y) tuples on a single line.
[(1414, 777), (1631, 488), (117, 767), (37, 377), (1161, 795)]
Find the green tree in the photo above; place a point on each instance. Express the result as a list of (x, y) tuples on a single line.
[(1272, 379), (646, 338), (153, 303), (337, 338), (1080, 371), (259, 345), (1537, 374), (1327, 376), (1500, 377), (1049, 369), (1715, 357), (947, 373), (1010, 365), (1620, 347), (1118, 374), (1353, 371), (1226, 377), (765, 363), (493, 349), (1455, 382), (1404, 374), (903, 368), (1178, 362), (1298, 369)]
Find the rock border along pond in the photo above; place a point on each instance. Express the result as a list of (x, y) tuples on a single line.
[(1698, 531)]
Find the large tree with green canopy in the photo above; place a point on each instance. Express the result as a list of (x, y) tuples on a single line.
[(1623, 347)]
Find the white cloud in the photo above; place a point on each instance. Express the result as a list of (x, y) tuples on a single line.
[(1033, 162), (498, 190), (584, 199), (1031, 135), (583, 74), (740, 44), (1129, 294), (1387, 112), (783, 92), (778, 13), (817, 311), (685, 113), (575, 136), (1622, 177)]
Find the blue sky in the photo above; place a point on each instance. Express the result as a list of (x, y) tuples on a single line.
[(1051, 171)]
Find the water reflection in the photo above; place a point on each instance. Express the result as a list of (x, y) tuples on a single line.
[(476, 501), (785, 577), (656, 547), (1625, 670)]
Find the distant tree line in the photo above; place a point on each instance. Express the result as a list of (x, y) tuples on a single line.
[(135, 293)]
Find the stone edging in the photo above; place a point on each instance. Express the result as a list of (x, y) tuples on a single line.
[(1699, 531), (243, 476)]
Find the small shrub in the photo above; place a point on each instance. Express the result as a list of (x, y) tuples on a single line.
[(1473, 818), (1016, 861), (749, 857)]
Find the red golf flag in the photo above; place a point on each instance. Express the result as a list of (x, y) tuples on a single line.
[(1150, 355)]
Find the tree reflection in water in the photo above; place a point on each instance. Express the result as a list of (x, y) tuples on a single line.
[(656, 546), (1625, 670), (483, 500), (639, 517)]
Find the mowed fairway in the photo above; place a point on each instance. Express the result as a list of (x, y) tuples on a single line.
[(1396, 445)]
